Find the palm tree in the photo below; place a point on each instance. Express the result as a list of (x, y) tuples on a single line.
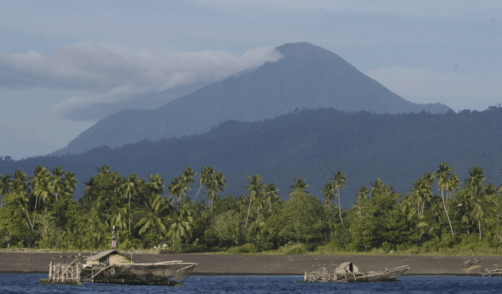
[(445, 182), (93, 215), (328, 192), (21, 189), (215, 184), (129, 189), (118, 217), (362, 194), (465, 203), (41, 186), (482, 205), (298, 187), (476, 179), (5, 184), (181, 225), (422, 192), (204, 176), (271, 194), (57, 184), (254, 189), (339, 182), (481, 201), (175, 188), (150, 215), (187, 179), (157, 184)]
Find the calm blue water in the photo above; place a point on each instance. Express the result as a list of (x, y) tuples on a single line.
[(27, 283)]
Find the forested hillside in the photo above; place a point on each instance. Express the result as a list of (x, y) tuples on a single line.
[(311, 144)]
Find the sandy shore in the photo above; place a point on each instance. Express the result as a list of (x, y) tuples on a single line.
[(216, 264)]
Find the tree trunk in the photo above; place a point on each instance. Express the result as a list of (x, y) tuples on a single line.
[(479, 225), (200, 187), (249, 209), (212, 200), (445, 206), (130, 233), (339, 206)]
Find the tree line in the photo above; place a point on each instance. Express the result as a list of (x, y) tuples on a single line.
[(440, 212)]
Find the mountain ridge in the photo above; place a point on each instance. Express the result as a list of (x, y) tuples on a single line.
[(311, 144)]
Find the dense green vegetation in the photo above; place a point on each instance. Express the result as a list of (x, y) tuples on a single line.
[(440, 213), (309, 144)]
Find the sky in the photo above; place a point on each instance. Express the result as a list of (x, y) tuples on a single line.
[(64, 65)]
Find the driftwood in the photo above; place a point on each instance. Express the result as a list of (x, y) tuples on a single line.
[(496, 270)]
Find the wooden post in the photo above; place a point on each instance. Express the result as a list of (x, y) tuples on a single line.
[(50, 271)]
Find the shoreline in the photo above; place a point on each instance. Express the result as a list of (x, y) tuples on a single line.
[(254, 265)]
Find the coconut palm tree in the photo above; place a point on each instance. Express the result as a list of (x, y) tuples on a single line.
[(175, 189), (446, 181), (129, 189), (57, 184), (180, 225), (20, 187), (118, 217), (339, 182), (204, 176), (215, 184), (298, 187), (187, 178), (465, 201), (93, 215), (476, 179), (271, 194), (328, 193), (151, 215), (481, 209), (422, 192), (41, 186), (254, 189), (362, 194), (157, 184)]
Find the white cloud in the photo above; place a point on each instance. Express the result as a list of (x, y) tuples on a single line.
[(113, 78), (420, 8), (456, 90)]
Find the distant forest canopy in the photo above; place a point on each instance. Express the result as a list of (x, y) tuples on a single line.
[(441, 213), (312, 144)]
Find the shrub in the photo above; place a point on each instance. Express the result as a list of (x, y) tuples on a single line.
[(246, 248), (296, 249)]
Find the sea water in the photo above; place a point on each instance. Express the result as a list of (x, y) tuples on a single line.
[(27, 283)]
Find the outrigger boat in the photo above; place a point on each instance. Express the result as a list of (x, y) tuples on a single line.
[(114, 267), (349, 272)]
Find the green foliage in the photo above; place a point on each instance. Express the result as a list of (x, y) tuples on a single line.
[(439, 215), (246, 248)]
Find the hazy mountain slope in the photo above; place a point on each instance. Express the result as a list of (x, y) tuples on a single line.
[(306, 76), (311, 144)]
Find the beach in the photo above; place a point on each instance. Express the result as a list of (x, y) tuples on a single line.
[(224, 264)]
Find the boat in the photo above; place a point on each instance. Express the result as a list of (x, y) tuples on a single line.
[(349, 272), (114, 267)]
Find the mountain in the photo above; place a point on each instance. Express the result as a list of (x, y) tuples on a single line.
[(312, 144), (307, 76)]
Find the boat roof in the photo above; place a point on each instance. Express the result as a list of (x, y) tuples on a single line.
[(102, 254)]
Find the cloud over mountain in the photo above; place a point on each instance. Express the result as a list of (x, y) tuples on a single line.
[(112, 78), (307, 76)]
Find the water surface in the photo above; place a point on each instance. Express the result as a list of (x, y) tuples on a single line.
[(27, 283)]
